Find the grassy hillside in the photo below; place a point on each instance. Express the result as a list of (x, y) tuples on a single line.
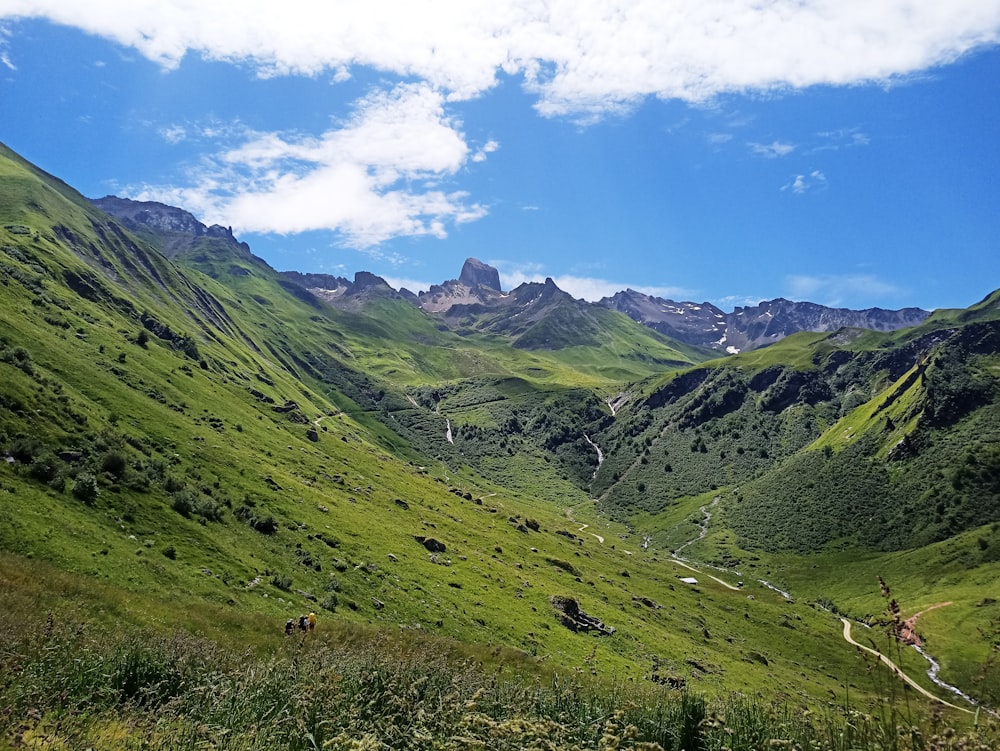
[(190, 445)]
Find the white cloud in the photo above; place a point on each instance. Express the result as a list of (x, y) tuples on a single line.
[(371, 179), (839, 290), (5, 60), (174, 133), (580, 58), (587, 288), (488, 148), (414, 285), (730, 302), (377, 176), (844, 138), (799, 184), (771, 150), (717, 139)]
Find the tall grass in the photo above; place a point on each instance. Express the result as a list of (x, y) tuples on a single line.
[(66, 686)]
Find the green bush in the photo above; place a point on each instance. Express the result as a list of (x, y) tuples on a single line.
[(85, 488)]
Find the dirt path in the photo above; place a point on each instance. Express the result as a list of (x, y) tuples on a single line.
[(725, 584), (909, 632), (599, 538), (894, 668)]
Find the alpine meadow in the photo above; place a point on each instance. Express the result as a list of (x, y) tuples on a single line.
[(522, 520)]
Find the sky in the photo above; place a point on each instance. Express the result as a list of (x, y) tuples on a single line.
[(845, 152)]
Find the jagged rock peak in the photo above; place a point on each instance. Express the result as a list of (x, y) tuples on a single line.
[(475, 273), (366, 280)]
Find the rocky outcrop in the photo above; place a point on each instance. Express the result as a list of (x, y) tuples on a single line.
[(434, 546), (573, 618), (751, 327), (475, 273)]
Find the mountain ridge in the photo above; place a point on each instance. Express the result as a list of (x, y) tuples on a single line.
[(478, 284)]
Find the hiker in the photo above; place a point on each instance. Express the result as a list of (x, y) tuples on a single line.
[(289, 625), (302, 623), (312, 621)]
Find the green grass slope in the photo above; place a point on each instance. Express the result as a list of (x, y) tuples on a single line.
[(198, 440)]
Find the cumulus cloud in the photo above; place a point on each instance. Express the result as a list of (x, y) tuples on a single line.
[(836, 290), (578, 57), (371, 179), (374, 178)]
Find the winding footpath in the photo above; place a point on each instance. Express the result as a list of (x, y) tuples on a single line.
[(910, 624), (895, 668)]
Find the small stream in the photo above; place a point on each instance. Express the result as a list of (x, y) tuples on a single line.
[(932, 672), (600, 454)]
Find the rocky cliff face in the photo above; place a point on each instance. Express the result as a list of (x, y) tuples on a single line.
[(757, 326), (478, 284), (751, 327), (177, 231), (475, 273)]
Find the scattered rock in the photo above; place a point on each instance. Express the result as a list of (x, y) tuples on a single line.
[(402, 504), (434, 546), (575, 619)]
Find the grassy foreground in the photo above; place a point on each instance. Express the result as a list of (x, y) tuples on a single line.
[(71, 681)]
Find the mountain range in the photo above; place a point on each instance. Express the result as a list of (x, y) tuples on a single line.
[(477, 293), (590, 486)]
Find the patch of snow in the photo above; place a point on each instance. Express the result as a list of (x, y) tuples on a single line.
[(689, 580), (733, 350)]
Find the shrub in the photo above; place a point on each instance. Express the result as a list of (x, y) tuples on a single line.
[(20, 358), (114, 463), (329, 602), (183, 502), (85, 488), (282, 582), (43, 467)]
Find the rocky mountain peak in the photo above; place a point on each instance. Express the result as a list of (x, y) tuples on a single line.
[(157, 216), (366, 280), (475, 273)]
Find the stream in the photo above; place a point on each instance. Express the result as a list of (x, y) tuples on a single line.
[(932, 672)]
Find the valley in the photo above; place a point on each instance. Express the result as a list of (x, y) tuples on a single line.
[(197, 447)]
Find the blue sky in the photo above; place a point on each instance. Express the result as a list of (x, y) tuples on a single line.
[(840, 151)]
